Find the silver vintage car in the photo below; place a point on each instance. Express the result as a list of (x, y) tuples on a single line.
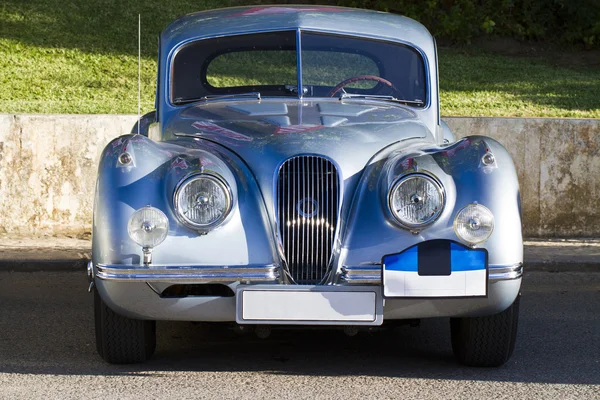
[(296, 172)]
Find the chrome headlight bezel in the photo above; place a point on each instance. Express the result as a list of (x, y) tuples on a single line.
[(404, 178), (216, 179)]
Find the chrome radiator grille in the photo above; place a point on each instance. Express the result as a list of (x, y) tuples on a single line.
[(307, 205)]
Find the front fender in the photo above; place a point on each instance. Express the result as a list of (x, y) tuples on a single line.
[(372, 233), (246, 236)]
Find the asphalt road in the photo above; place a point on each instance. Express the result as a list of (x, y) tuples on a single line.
[(47, 350)]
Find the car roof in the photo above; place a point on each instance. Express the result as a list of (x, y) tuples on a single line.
[(238, 20)]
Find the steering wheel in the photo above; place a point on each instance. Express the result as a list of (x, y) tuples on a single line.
[(359, 78)]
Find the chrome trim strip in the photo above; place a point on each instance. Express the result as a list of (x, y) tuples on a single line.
[(505, 272), (299, 63), (371, 274), (189, 274), (363, 274)]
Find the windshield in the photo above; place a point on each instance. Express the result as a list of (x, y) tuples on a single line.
[(332, 66)]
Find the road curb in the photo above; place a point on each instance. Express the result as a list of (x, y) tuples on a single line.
[(65, 265), (555, 267)]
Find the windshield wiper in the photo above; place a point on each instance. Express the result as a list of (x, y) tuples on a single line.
[(180, 100), (380, 97)]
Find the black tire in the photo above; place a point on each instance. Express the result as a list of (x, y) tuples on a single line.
[(485, 341), (122, 340)]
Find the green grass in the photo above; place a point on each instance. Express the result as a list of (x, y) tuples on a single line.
[(477, 83), (81, 57)]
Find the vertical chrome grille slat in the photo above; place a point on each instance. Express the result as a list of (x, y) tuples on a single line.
[(286, 243), (331, 212), (313, 220), (304, 243), (295, 215), (308, 203), (321, 213), (309, 271), (326, 201), (316, 221)]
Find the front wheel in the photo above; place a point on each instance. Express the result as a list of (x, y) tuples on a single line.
[(122, 340), (485, 341)]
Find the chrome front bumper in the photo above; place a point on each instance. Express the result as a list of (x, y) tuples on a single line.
[(358, 275), (138, 299), (189, 274), (371, 274)]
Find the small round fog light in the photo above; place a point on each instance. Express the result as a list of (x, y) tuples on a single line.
[(148, 227), (474, 224)]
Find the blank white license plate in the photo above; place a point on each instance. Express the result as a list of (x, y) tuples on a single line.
[(302, 306)]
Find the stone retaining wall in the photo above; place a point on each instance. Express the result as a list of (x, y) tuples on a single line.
[(558, 163), (48, 170)]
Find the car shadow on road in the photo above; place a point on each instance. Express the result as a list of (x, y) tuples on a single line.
[(44, 334)]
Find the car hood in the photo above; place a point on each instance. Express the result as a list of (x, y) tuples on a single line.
[(266, 133)]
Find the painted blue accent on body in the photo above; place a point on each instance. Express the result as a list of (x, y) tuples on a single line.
[(407, 261), (465, 259), (461, 259)]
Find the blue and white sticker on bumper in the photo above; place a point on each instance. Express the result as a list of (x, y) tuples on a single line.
[(436, 268)]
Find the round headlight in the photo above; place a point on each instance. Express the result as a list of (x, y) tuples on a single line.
[(202, 201), (474, 224), (148, 227), (416, 200)]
